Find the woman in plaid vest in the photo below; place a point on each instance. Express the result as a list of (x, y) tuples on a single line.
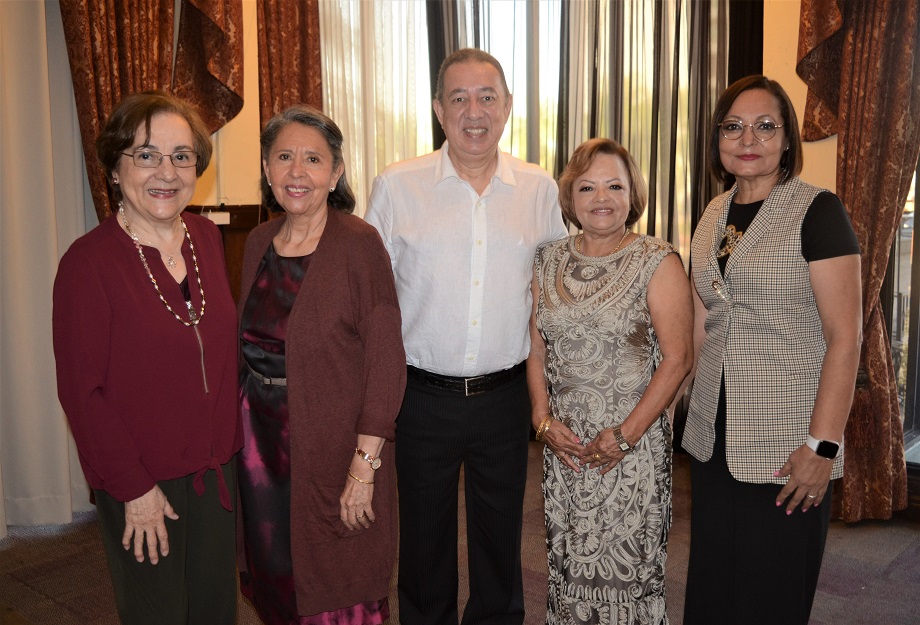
[(776, 281)]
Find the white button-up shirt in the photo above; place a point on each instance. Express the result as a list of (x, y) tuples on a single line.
[(464, 262)]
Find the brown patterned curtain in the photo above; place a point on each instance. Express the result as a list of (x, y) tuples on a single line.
[(289, 56), (209, 59), (119, 47), (857, 58), (115, 48)]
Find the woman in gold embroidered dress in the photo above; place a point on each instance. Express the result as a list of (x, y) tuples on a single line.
[(611, 343)]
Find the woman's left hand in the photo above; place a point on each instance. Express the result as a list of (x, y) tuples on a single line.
[(603, 452), (809, 474), (355, 503)]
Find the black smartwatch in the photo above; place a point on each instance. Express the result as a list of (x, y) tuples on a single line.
[(825, 449)]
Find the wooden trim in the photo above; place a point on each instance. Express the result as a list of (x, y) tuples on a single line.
[(234, 221)]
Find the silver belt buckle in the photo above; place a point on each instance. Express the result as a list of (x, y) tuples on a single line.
[(466, 386)]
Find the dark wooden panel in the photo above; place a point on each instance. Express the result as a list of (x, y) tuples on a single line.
[(913, 492), (234, 221)]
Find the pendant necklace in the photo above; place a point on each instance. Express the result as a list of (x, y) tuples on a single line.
[(194, 317)]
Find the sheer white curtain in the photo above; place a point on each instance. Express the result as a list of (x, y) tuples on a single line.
[(628, 78), (375, 77), (42, 198)]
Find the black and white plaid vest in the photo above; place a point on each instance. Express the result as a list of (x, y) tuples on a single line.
[(763, 331)]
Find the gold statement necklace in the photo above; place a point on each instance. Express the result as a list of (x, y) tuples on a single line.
[(581, 238), (194, 317)]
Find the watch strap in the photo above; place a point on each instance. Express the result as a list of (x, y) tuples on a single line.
[(621, 440), (825, 449), (371, 460)]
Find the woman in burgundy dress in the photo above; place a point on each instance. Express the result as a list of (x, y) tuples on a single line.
[(321, 384)]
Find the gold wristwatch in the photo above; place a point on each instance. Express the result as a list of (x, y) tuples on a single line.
[(374, 462), (622, 443)]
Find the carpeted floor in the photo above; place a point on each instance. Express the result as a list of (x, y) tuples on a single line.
[(871, 573)]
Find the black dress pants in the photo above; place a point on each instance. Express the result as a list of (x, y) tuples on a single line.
[(439, 431), (750, 563), (196, 583)]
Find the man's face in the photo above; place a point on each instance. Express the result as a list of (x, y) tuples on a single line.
[(473, 109)]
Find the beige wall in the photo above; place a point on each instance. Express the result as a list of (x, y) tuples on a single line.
[(781, 28), (233, 175)]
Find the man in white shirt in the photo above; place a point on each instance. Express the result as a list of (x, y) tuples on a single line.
[(462, 225)]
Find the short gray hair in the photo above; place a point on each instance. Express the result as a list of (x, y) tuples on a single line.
[(342, 198)]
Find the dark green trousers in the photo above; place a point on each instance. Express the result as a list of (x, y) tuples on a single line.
[(196, 583)]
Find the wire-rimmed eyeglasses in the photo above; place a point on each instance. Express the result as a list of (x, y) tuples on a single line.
[(150, 159), (734, 129)]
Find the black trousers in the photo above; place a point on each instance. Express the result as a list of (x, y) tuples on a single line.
[(749, 562), (196, 582), (438, 432)]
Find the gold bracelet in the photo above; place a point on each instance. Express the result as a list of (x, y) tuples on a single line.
[(543, 428), (358, 479)]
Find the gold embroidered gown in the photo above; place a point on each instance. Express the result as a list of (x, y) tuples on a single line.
[(606, 534)]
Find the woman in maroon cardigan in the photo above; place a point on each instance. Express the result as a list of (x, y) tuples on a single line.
[(146, 371), (321, 385)]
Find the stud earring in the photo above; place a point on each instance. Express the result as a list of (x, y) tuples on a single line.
[(331, 189)]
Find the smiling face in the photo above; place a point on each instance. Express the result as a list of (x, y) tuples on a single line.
[(473, 110), (160, 194), (300, 169), (749, 160), (601, 196)]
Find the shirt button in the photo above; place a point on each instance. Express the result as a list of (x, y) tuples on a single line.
[(478, 241), (475, 322), (475, 282)]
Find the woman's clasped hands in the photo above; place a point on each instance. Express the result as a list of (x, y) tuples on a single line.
[(601, 453)]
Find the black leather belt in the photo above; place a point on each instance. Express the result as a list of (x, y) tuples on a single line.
[(467, 386)]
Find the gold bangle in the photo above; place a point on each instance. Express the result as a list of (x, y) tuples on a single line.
[(358, 479), (543, 428)]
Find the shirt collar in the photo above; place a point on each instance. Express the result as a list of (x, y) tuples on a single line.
[(445, 168)]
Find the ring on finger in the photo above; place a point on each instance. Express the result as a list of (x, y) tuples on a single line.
[(812, 496), (597, 457)]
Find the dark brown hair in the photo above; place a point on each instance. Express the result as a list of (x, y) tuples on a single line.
[(468, 55), (581, 161), (342, 198), (790, 163), (137, 110)]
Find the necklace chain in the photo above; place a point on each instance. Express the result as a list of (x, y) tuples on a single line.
[(194, 317), (581, 237)]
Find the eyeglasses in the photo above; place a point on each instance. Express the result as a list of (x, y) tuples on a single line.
[(734, 130), (150, 159)]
